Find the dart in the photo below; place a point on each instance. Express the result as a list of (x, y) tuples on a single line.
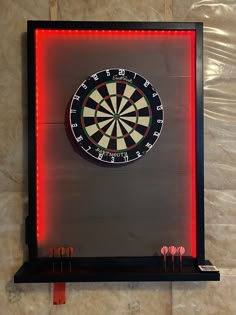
[(172, 251), (181, 251), (69, 252), (164, 251), (52, 255), (61, 251)]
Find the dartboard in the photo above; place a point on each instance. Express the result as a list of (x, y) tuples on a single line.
[(116, 116)]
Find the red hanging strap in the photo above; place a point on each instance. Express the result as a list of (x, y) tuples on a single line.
[(59, 293)]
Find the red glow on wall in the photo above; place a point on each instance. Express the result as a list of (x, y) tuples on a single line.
[(40, 35)]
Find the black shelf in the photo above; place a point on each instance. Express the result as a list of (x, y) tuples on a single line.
[(86, 272)]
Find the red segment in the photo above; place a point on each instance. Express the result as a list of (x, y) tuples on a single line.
[(132, 146), (111, 150), (150, 111), (85, 101), (146, 132), (140, 91), (94, 142), (102, 132), (100, 85), (97, 107), (122, 82), (82, 122)]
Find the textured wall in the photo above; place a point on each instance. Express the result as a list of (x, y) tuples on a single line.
[(220, 162)]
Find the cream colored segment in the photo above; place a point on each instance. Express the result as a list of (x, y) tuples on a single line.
[(118, 130), (111, 87), (128, 110), (104, 123), (101, 114), (132, 119), (136, 136), (114, 103), (88, 112), (141, 103), (129, 90), (110, 129), (126, 126), (106, 106), (121, 145), (122, 104), (91, 129), (104, 141), (144, 121), (96, 96)]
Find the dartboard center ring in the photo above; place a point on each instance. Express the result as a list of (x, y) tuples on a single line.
[(116, 116)]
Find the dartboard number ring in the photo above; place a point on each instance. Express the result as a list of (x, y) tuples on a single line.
[(116, 116)]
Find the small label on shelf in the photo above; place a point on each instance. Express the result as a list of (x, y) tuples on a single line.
[(208, 268)]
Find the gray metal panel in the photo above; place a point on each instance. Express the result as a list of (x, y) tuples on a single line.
[(131, 210)]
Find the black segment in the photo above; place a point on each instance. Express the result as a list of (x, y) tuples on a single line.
[(104, 93), (114, 130), (120, 87), (106, 127), (129, 141), (112, 144), (90, 103), (88, 121), (143, 112), (123, 130), (136, 96), (97, 136), (141, 129), (103, 110), (101, 119), (120, 91), (130, 123), (127, 105)]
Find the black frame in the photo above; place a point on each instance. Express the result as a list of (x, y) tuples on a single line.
[(113, 269)]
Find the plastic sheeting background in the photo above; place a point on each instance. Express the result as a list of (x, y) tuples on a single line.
[(219, 19)]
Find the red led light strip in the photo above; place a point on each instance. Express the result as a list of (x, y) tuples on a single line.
[(113, 32), (192, 143), (37, 101), (39, 34)]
